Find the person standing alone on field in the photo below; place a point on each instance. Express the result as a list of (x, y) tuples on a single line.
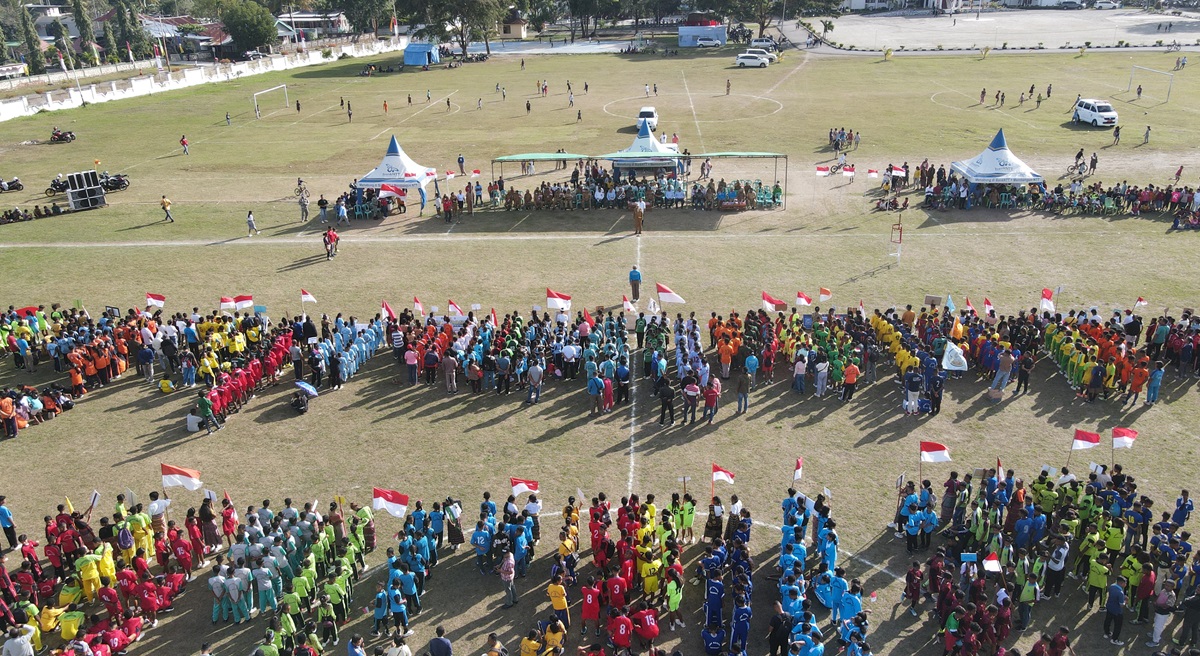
[(635, 284), (166, 207), (1117, 135), (1146, 137), (184, 142), (251, 228)]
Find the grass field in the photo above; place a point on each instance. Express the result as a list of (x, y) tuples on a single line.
[(375, 432)]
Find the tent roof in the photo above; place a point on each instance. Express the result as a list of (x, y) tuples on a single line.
[(997, 165), (539, 157), (396, 163)]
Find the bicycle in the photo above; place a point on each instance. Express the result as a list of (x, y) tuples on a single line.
[(1173, 47), (301, 189), (1079, 168)]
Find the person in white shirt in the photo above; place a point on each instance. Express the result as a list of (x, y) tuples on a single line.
[(20, 641), (221, 604)]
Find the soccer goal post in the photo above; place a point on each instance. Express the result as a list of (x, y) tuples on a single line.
[(1133, 73), (286, 102)]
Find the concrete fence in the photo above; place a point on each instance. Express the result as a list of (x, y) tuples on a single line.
[(146, 85)]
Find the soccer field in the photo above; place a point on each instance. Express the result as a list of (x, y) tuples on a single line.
[(424, 443)]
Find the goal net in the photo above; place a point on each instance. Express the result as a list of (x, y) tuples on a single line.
[(255, 98), (1153, 84)]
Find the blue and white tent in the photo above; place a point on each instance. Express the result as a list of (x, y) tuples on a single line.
[(398, 170), (996, 165)]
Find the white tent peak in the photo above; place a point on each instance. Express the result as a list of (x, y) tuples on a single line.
[(398, 169), (996, 165), (645, 142)]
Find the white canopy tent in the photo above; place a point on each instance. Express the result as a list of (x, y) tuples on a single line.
[(996, 165), (398, 171), (645, 151)]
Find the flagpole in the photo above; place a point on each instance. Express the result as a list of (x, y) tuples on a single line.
[(712, 485), (1069, 455)]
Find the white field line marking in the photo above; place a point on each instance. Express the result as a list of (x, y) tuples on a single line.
[(785, 77), (427, 106), (519, 222), (633, 390), (544, 237), (695, 119)]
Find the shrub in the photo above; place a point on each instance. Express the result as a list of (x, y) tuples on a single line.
[(327, 53)]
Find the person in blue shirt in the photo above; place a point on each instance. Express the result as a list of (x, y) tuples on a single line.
[(790, 597), (752, 368), (380, 615), (714, 599), (6, 522), (1154, 383), (909, 499), (1039, 525), (713, 637), (912, 529), (635, 284), (488, 505), (1183, 508), (408, 586), (929, 524), (481, 539), (1023, 529), (398, 608), (787, 560), (437, 523), (837, 589), (741, 627)]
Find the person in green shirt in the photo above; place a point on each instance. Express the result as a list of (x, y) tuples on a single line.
[(1028, 597), (70, 593), (1097, 579), (328, 620), (70, 622), (336, 596), (205, 406)]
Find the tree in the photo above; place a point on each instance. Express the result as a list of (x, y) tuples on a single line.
[(137, 35), (110, 43), (826, 27), (87, 34), (543, 12), (249, 24), (62, 41), (364, 15), (33, 45), (474, 19), (4, 58)]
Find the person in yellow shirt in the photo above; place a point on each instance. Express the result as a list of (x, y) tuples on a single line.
[(530, 645), (70, 593), (554, 638), (88, 567), (47, 619), (558, 600), (566, 546), (70, 622)]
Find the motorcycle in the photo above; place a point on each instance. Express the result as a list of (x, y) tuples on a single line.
[(118, 182), (12, 185), (62, 137), (57, 186)]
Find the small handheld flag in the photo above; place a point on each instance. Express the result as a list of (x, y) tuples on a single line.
[(1084, 440), (157, 300), (721, 475), (934, 452), (799, 469), (391, 501), (824, 295), (305, 297), (803, 299), (1123, 438), (521, 486), (1047, 300), (173, 476)]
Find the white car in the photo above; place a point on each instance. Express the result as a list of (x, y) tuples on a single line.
[(1107, 4), (764, 43), (1097, 113), (707, 42), (769, 56), (758, 61), (650, 116)]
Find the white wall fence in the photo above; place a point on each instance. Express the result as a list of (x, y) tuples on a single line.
[(151, 84)]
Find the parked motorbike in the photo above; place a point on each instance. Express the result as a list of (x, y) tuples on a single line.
[(65, 136), (12, 185), (118, 182), (57, 186)]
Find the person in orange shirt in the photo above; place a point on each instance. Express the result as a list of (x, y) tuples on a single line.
[(8, 415), (849, 380), (1137, 381), (725, 351)]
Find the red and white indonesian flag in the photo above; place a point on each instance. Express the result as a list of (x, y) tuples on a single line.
[(1084, 440), (449, 175), (848, 171), (799, 469), (227, 303), (157, 300), (587, 316), (1123, 438), (665, 295), (988, 308), (824, 295), (1140, 302), (474, 173), (862, 309), (393, 502), (521, 486), (495, 321), (305, 297), (722, 475), (771, 304), (557, 301), (417, 307), (971, 307), (934, 452), (454, 309), (243, 301), (386, 189), (387, 311), (803, 299), (1047, 300), (179, 477), (822, 171), (626, 305), (992, 563), (872, 173)]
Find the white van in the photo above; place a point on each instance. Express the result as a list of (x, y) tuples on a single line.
[(757, 61), (769, 56), (650, 116), (764, 43), (1097, 113)]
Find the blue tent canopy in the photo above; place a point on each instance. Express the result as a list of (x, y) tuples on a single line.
[(421, 54)]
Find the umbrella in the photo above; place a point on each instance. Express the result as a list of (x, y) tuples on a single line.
[(308, 389)]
